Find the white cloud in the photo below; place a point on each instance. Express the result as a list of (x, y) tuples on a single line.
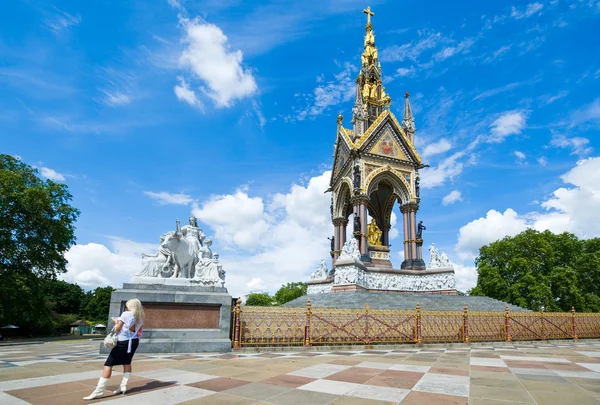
[(579, 146), (165, 198), (572, 210), (486, 230), (93, 265), (402, 72), (208, 57), (497, 54), (520, 155), (438, 147), (498, 90), (184, 93), (393, 231), (551, 99), (463, 47), (448, 169), (256, 284), (590, 112), (51, 174), (531, 9), (413, 49), (60, 21), (329, 94), (278, 240), (452, 197), (119, 86), (466, 276), (542, 161), (509, 123)]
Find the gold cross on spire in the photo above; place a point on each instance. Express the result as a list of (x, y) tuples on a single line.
[(369, 14)]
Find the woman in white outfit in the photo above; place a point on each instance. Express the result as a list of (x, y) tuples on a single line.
[(129, 330)]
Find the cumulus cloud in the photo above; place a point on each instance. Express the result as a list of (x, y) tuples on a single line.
[(447, 169), (92, 265), (435, 148), (165, 198), (509, 123), (569, 209), (530, 10), (209, 59), (452, 197), (51, 174), (184, 93)]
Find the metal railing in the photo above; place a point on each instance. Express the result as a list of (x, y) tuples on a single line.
[(283, 326)]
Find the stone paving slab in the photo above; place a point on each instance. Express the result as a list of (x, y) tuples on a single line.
[(523, 373)]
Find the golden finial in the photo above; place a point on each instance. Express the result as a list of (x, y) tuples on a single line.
[(340, 118), (407, 94), (369, 14)]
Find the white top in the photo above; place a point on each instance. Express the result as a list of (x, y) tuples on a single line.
[(128, 321)]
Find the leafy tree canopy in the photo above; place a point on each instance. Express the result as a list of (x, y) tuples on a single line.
[(259, 300), (538, 270), (290, 292)]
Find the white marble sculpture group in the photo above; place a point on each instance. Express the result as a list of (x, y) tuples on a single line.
[(438, 260), (185, 254)]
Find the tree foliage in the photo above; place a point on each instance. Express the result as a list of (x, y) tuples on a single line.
[(259, 300), (37, 226), (538, 270), (97, 304), (290, 292)]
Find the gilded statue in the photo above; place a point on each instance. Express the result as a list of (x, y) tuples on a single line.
[(374, 234)]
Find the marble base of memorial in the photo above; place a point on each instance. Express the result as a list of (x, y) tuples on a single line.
[(352, 275), (181, 316)]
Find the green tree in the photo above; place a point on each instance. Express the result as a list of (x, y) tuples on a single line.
[(37, 226), (259, 300), (98, 305), (290, 292), (538, 270), (63, 297)]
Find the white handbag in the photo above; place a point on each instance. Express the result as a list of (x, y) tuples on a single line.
[(110, 340)]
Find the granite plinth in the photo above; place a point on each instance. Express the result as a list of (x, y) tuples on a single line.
[(180, 318)]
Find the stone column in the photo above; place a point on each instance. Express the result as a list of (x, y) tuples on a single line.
[(385, 235), (338, 244), (343, 230), (413, 232), (406, 234), (364, 226)]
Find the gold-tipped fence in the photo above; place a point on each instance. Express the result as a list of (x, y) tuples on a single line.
[(284, 326)]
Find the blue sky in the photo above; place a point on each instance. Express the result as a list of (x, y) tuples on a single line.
[(151, 110)]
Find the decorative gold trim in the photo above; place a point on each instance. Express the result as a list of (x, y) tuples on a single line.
[(392, 170), (410, 145)]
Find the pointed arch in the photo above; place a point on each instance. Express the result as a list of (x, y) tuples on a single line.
[(342, 199)]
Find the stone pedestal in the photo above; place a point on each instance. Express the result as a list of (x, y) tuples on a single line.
[(181, 317), (379, 256)]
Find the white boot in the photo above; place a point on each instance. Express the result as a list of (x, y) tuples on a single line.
[(99, 391), (123, 387)]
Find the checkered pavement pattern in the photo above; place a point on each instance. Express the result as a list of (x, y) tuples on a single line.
[(521, 373)]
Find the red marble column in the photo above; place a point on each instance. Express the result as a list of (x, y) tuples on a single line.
[(406, 234), (363, 230), (413, 233)]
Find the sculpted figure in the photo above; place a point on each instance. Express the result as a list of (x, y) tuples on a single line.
[(433, 256), (356, 180), (351, 250), (332, 239), (161, 264), (183, 250), (207, 269), (420, 230), (374, 234), (417, 187), (321, 272), (357, 223), (444, 260)]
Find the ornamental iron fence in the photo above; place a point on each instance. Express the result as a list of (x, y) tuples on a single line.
[(282, 326)]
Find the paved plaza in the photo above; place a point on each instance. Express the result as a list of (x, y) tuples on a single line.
[(494, 374)]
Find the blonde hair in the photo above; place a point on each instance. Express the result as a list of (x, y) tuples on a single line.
[(135, 306)]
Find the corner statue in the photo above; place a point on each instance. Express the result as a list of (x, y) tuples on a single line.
[(420, 230), (374, 234), (185, 254)]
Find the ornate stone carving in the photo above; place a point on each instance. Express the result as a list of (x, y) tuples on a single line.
[(319, 288), (321, 272), (406, 282), (350, 250), (349, 274), (437, 260), (379, 255), (208, 269)]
